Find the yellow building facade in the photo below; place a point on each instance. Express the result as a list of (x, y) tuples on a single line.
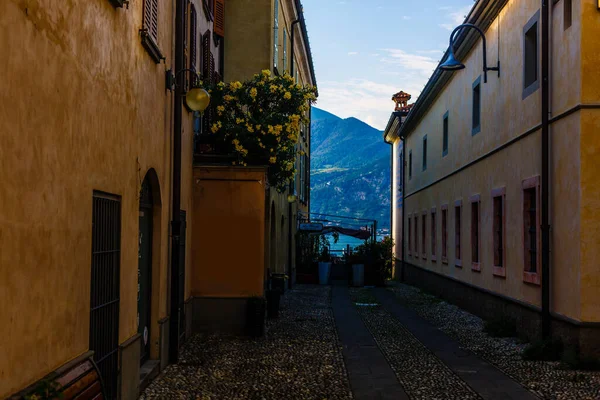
[(272, 35), (473, 196), (86, 133)]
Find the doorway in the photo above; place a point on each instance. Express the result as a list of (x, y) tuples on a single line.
[(145, 268)]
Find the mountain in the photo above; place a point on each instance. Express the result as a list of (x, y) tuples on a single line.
[(350, 168)]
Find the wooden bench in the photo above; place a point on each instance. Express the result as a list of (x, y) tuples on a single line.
[(79, 379)]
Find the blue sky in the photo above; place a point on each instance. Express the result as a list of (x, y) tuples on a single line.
[(365, 51)]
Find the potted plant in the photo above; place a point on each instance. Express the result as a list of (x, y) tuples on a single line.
[(379, 260), (258, 122), (273, 300), (356, 261), (255, 319), (324, 266)]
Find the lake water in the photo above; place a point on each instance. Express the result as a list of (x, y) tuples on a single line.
[(347, 240)]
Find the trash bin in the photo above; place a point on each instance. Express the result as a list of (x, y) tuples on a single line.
[(324, 271), (358, 275)]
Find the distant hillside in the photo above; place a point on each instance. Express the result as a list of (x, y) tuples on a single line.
[(350, 172)]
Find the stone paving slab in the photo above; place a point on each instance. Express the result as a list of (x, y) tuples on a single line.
[(488, 381), (370, 375)]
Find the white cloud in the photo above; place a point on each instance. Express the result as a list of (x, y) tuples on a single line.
[(353, 53), (415, 62), (456, 17), (405, 17)]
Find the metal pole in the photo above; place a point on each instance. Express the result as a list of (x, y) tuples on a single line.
[(176, 220), (546, 323)]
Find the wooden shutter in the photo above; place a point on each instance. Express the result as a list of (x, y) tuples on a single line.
[(193, 37), (219, 25), (151, 18), (206, 55), (211, 73)]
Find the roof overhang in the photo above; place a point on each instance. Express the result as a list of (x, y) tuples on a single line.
[(483, 13)]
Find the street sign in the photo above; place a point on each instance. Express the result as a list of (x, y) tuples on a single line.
[(314, 227)]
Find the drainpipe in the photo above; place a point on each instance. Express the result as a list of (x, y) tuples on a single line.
[(290, 242), (546, 322), (176, 221), (292, 44), (403, 139)]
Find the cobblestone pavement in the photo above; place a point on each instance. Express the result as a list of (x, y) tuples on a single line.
[(422, 374), (546, 379), (299, 358)]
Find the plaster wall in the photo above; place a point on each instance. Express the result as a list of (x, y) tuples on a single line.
[(84, 108), (505, 115), (228, 241)]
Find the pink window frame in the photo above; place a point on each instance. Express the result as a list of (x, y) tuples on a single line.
[(424, 235), (458, 261), (499, 270), (444, 207), (409, 235), (476, 266), (532, 277), (433, 224)]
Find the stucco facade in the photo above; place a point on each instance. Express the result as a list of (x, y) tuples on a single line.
[(86, 114), (252, 45), (504, 154)]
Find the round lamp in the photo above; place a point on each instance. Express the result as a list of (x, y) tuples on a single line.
[(291, 198), (197, 99)]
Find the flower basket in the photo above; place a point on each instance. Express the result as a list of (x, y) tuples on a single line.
[(258, 122)]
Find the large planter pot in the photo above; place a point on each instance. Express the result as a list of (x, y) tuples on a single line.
[(324, 272), (255, 321), (273, 299), (278, 282), (358, 275)]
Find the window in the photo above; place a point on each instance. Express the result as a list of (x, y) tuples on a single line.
[(410, 164), (400, 172), (276, 35), (149, 30), (567, 14), (530, 56), (476, 124), (105, 284), (475, 232), (445, 233), (445, 139), (219, 25), (409, 235), (193, 38), (424, 234), (285, 67), (531, 234), (425, 153), (208, 9), (416, 235), (433, 235), (457, 223), (498, 230)]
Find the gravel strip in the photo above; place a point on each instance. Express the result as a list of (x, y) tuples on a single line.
[(543, 378), (299, 358), (421, 373)]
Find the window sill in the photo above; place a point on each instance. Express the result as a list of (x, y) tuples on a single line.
[(151, 47), (531, 277), (476, 267), (458, 263), (532, 88), (433, 258), (424, 256), (444, 260), (475, 130), (444, 153), (499, 271)]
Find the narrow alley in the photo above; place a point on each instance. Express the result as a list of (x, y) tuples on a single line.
[(335, 342)]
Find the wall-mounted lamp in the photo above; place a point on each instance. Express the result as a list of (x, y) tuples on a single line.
[(291, 198), (197, 99), (452, 64)]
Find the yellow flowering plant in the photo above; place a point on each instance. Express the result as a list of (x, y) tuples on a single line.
[(259, 121)]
